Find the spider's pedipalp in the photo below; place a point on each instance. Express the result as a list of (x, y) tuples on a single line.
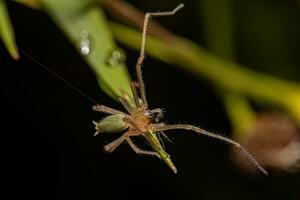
[(156, 114)]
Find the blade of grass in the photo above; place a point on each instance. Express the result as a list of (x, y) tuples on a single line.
[(74, 17), (223, 74), (6, 32)]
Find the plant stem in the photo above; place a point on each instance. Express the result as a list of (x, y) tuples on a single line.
[(240, 113), (223, 74), (218, 30)]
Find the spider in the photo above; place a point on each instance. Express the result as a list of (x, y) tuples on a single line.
[(142, 121)]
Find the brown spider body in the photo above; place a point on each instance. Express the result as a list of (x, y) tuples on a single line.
[(141, 119), (139, 122)]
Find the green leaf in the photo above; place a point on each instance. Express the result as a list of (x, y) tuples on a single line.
[(34, 4), (6, 31), (84, 23)]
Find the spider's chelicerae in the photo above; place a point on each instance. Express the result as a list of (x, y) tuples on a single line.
[(142, 121)]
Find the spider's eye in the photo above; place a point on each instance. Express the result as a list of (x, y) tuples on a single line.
[(155, 116)]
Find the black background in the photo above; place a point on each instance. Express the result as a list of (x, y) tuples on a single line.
[(47, 148)]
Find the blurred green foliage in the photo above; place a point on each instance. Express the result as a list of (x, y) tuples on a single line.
[(264, 38), (78, 17), (6, 31), (84, 24)]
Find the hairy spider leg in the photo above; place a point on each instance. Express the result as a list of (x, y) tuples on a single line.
[(114, 144), (136, 98), (219, 137), (126, 105), (107, 110), (142, 52), (140, 151)]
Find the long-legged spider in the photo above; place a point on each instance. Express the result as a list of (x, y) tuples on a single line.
[(142, 121)]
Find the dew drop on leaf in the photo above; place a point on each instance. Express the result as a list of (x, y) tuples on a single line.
[(116, 58), (85, 48)]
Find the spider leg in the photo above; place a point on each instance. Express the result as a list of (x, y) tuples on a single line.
[(161, 141), (140, 151), (125, 104), (114, 144), (136, 98), (142, 52), (213, 135), (107, 110), (156, 126), (166, 137)]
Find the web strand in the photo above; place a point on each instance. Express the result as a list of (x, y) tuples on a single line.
[(57, 76)]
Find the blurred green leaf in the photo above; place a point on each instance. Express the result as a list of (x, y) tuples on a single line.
[(6, 31), (84, 24), (223, 74), (34, 4)]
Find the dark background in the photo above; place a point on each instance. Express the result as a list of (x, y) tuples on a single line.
[(47, 146)]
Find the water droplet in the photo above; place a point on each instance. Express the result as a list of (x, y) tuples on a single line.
[(117, 57), (85, 48)]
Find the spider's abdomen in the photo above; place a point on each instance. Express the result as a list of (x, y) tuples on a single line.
[(111, 124)]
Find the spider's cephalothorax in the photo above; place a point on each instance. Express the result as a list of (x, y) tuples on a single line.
[(141, 121)]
